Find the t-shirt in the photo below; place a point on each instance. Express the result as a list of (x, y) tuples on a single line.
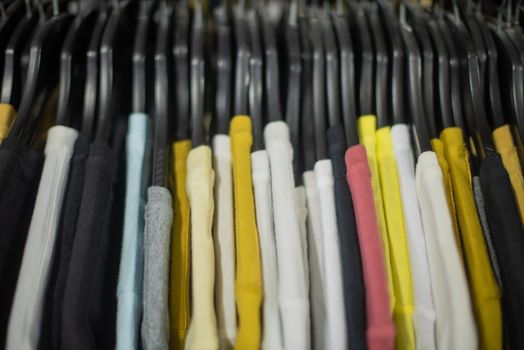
[(248, 285), (224, 239), (349, 248), (292, 272), (129, 290), (271, 335), (367, 126), (398, 246), (180, 273), (64, 245), (202, 332), (85, 321), (7, 116), (28, 304), (20, 170), (508, 241), (455, 323), (335, 326), (380, 329), (316, 261), (484, 289), (424, 315), (506, 148), (158, 221)]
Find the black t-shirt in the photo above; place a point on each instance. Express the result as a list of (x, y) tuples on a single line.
[(349, 247), (91, 279), (52, 313), (508, 239), (20, 170)]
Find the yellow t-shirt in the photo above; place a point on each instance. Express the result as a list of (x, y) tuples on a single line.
[(506, 148), (179, 281), (483, 285), (367, 135), (7, 116), (248, 284), (438, 148), (398, 245)]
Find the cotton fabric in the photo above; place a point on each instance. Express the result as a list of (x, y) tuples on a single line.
[(7, 116), (316, 261), (481, 210), (158, 221), (506, 148), (424, 314), (271, 335), (484, 289), (224, 239), (66, 232), (380, 331), (349, 249), (292, 276), (438, 148), (179, 275), (129, 290), (367, 126), (202, 333), (248, 284), (20, 170), (84, 318), (26, 313), (400, 261), (508, 242), (336, 328), (455, 323)]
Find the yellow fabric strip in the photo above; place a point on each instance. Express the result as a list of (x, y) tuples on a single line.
[(248, 285), (438, 148), (483, 286), (367, 125), (179, 281), (7, 116), (398, 244), (506, 148)]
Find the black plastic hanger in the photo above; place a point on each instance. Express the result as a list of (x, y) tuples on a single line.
[(418, 19), (197, 78), (90, 106), (415, 84), (243, 55), (162, 93), (397, 65), (114, 93), (444, 116), (141, 59), (319, 81), (8, 22), (347, 78), (367, 63), (223, 70), (273, 105), (73, 68), (332, 71), (12, 83), (306, 150), (181, 63), (42, 76), (456, 92), (256, 81), (382, 77), (292, 89), (478, 125)]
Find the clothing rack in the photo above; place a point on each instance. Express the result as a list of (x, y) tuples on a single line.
[(261, 175)]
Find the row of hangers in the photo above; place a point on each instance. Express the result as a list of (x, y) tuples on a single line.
[(320, 67)]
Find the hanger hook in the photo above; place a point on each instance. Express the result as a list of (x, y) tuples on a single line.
[(293, 13)]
